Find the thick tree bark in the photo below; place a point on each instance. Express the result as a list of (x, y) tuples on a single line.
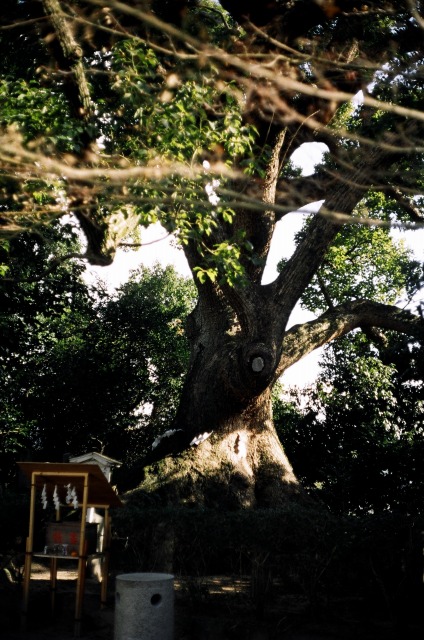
[(240, 465)]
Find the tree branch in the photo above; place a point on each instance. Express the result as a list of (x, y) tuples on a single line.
[(298, 192), (407, 204), (71, 58), (305, 338), (350, 186), (259, 226)]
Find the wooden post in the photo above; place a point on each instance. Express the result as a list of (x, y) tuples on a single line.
[(82, 561), (53, 574), (105, 559), (53, 583), (28, 553)]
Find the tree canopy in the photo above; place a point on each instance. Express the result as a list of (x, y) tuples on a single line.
[(187, 113), (104, 371)]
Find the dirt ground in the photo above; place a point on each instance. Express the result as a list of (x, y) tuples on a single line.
[(213, 608)]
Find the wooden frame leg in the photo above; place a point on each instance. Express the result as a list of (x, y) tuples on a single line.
[(82, 565), (82, 562), (28, 555), (105, 559), (53, 584), (27, 578)]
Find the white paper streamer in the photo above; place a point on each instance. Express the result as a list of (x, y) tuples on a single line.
[(74, 498), (68, 493), (44, 497), (56, 499)]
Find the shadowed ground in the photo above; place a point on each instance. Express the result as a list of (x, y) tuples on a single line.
[(211, 608)]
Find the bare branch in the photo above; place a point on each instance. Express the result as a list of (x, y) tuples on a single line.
[(13, 153), (305, 338), (414, 12), (72, 54), (407, 204)]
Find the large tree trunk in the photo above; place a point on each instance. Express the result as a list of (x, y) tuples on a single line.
[(241, 465), (224, 451)]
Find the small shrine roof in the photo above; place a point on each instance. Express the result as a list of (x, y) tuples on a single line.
[(99, 457)]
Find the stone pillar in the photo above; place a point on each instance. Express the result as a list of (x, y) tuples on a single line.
[(144, 606)]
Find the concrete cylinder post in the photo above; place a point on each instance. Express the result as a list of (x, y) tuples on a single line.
[(144, 606)]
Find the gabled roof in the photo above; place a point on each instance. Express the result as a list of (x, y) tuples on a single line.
[(98, 457)]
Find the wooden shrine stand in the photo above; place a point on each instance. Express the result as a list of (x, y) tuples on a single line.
[(93, 490)]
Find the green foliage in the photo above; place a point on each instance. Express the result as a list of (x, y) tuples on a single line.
[(210, 541), (208, 21), (170, 116), (4, 249), (154, 108), (33, 299), (364, 262), (356, 438), (40, 117), (170, 113), (14, 41), (39, 114), (106, 371)]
